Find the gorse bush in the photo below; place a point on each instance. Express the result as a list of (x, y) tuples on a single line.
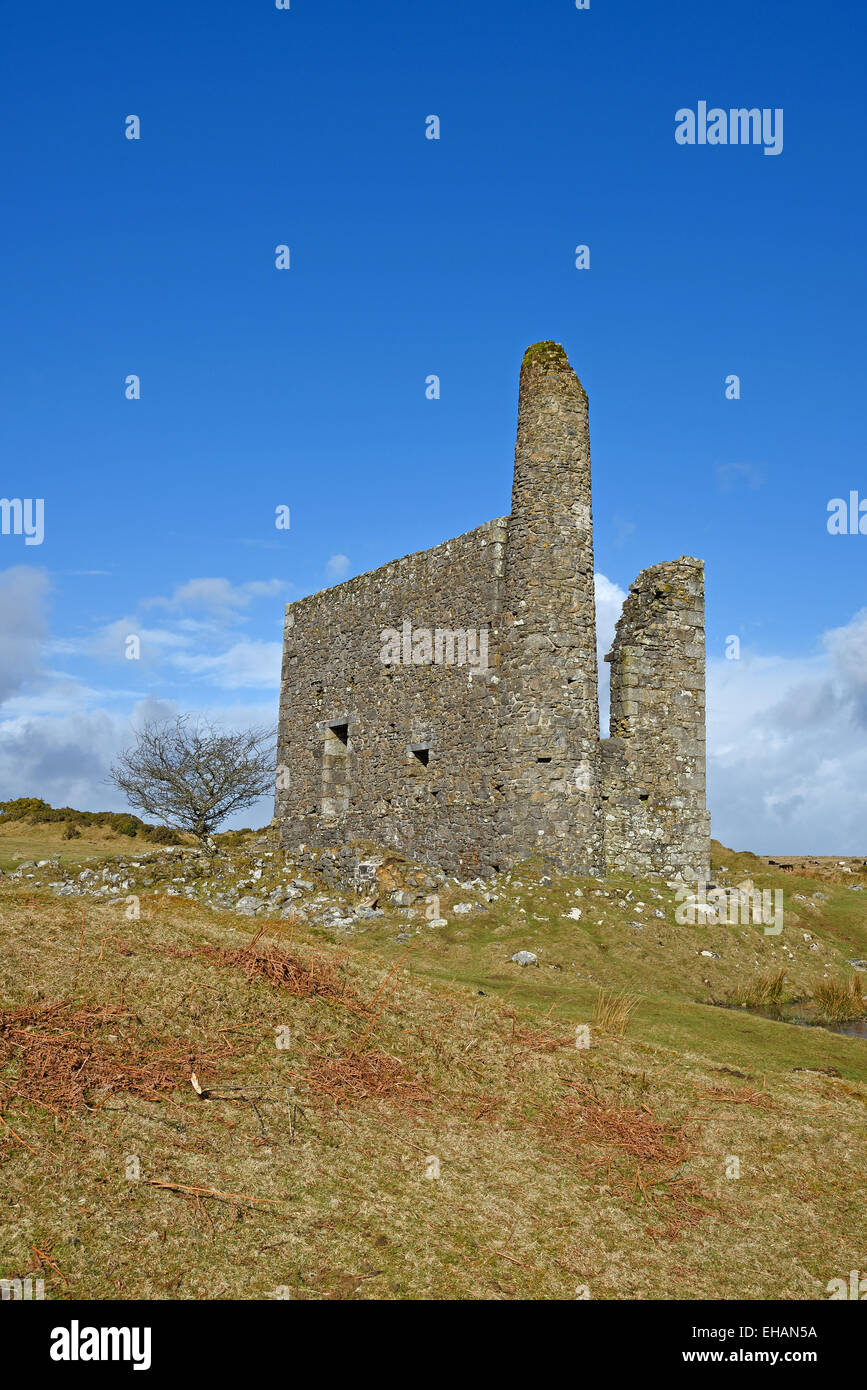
[(33, 811), (162, 835), (25, 808)]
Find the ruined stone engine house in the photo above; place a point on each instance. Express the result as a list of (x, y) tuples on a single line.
[(446, 704)]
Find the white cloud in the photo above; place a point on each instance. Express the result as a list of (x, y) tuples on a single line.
[(217, 595), (59, 735), (610, 599), (847, 647), (787, 748), (338, 566), (108, 643), (23, 627), (61, 758), (65, 759), (244, 664), (787, 740), (189, 645)]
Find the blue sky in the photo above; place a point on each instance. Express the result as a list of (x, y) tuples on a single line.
[(410, 257)]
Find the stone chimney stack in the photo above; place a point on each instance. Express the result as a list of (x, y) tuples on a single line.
[(549, 716)]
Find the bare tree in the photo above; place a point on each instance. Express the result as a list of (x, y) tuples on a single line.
[(191, 775)]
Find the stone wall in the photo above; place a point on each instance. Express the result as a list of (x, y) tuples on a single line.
[(404, 755), (653, 765), (549, 696)]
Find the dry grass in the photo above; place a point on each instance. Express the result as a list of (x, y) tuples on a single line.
[(612, 1011), (761, 993), (745, 1095), (839, 1000), (21, 840), (306, 1167), (533, 1039)]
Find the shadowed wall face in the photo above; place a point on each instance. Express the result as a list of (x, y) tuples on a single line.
[(654, 761), (404, 752), (549, 698)]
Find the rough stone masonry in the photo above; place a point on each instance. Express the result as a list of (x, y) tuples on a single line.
[(446, 704)]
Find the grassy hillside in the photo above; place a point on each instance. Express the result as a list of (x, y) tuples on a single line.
[(32, 829), (306, 1169)]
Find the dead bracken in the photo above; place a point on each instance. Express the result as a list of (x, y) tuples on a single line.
[(275, 965), (366, 1076), (56, 1056), (606, 1135)]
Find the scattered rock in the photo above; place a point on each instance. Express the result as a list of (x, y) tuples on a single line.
[(525, 958), (247, 907)]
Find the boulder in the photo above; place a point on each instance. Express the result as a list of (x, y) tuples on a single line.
[(525, 958), (248, 906)]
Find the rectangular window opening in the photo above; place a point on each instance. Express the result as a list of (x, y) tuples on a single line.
[(543, 760), (335, 771), (423, 755)]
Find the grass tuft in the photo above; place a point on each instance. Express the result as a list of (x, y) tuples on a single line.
[(612, 1011), (839, 1000), (763, 992)]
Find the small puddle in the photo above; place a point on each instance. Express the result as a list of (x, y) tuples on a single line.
[(803, 1016)]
